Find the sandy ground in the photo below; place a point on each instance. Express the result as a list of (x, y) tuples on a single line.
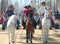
[(54, 37)]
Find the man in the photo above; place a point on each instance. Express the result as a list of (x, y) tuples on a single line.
[(42, 13), (10, 11), (31, 14), (4, 22), (24, 17), (6, 16)]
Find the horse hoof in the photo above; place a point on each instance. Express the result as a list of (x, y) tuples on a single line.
[(46, 42), (30, 41), (26, 41), (9, 43), (12, 41)]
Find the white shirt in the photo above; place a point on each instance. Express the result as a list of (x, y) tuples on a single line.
[(42, 10)]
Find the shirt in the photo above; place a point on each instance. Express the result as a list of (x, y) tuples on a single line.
[(9, 13), (42, 10)]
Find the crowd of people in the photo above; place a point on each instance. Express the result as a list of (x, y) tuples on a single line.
[(28, 11)]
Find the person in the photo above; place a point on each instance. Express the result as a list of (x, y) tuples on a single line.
[(42, 14), (10, 11), (24, 17), (25, 10), (31, 13), (5, 20)]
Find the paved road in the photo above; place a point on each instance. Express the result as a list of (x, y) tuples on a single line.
[(54, 37)]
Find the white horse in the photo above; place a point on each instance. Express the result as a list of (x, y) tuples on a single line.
[(46, 26), (11, 26)]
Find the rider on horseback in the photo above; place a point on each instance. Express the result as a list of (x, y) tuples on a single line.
[(29, 24), (44, 12)]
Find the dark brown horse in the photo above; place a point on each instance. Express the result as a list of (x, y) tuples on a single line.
[(29, 29)]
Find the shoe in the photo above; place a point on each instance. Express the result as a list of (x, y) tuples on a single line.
[(17, 28)]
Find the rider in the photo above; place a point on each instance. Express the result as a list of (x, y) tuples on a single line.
[(31, 14), (41, 11), (24, 17), (6, 15), (10, 11)]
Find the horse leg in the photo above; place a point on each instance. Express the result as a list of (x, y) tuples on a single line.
[(30, 37), (44, 36), (47, 35), (40, 24), (13, 35), (27, 37), (8, 37)]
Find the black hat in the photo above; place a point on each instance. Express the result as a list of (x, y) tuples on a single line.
[(25, 6), (29, 6)]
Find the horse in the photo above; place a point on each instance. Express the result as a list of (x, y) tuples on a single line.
[(29, 29), (46, 25), (11, 26)]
